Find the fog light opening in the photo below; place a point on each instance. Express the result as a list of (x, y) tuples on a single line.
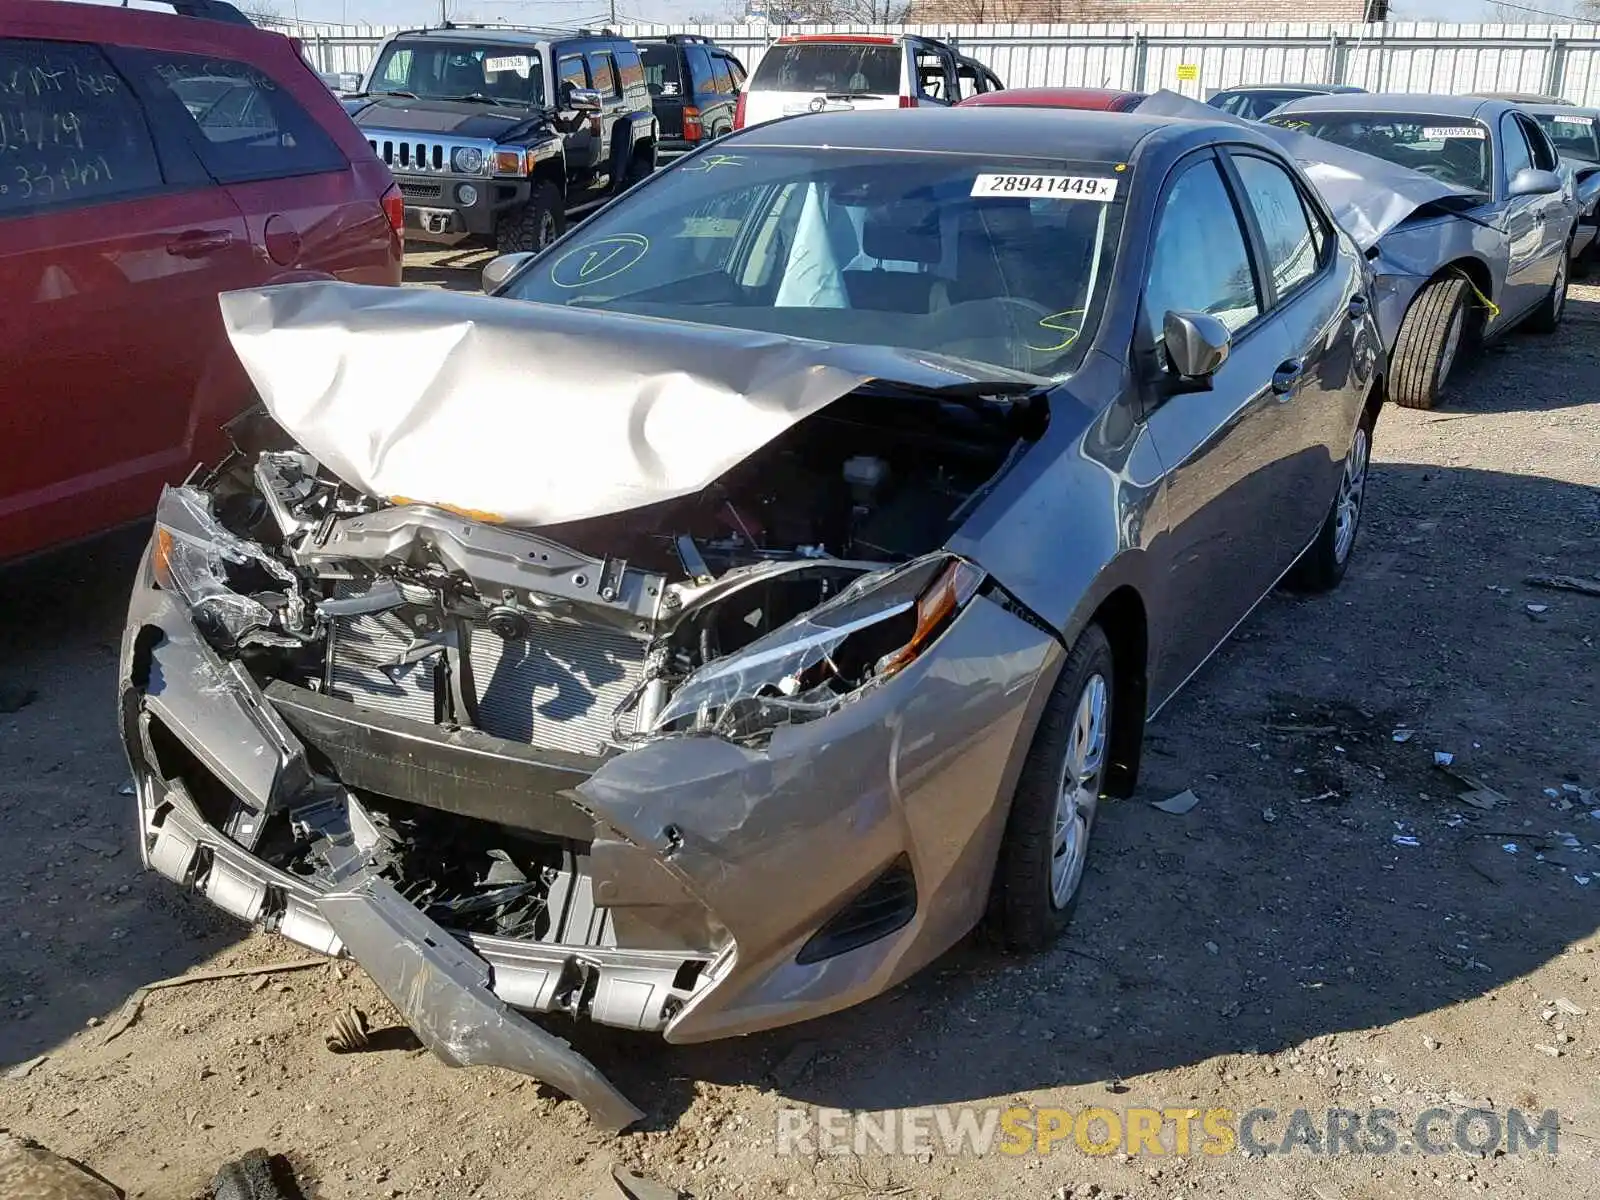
[(466, 194)]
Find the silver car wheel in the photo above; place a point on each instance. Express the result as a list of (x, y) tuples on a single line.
[(1079, 790), (1351, 489), (1559, 296)]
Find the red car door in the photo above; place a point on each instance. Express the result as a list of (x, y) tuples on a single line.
[(312, 206), (113, 246)]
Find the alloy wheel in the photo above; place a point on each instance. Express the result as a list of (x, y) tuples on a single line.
[(1351, 489), (1079, 790)]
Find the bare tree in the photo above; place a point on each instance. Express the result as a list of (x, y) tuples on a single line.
[(1004, 11), (841, 12)]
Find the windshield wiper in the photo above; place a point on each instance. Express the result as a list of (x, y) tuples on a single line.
[(479, 98), (365, 95)]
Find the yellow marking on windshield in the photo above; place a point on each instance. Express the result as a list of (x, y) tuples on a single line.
[(1054, 323)]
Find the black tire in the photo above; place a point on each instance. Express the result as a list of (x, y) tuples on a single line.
[(1024, 913), (640, 167), (1547, 317), (535, 225), (1423, 353), (1325, 561)]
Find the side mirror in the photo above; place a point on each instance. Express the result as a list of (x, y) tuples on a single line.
[(1530, 181), (1197, 345), (501, 268), (583, 100)]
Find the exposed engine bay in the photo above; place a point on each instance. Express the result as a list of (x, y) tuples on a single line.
[(440, 618), (809, 571)]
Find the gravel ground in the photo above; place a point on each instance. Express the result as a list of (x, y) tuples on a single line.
[(1283, 945)]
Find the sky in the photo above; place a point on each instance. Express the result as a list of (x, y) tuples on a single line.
[(565, 12)]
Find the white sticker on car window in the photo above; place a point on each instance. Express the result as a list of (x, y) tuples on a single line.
[(510, 62), (1061, 187), (1574, 121), (1440, 133)]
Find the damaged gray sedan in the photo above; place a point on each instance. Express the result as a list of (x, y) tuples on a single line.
[(710, 629)]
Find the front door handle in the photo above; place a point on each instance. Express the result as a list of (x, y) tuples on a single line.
[(1360, 306), (1287, 375), (197, 243)]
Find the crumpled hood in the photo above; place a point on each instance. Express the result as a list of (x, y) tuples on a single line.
[(460, 117), (535, 414), (1368, 196)]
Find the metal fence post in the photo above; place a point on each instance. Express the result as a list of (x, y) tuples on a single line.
[(1141, 50), (1555, 66), (1338, 59)]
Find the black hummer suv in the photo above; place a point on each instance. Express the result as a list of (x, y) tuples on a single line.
[(502, 133)]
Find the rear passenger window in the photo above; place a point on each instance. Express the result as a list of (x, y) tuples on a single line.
[(71, 130), (722, 82), (1293, 247), (1199, 262), (701, 81), (242, 124)]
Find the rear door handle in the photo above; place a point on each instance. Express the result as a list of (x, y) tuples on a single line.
[(1287, 375), (1359, 307), (197, 243)]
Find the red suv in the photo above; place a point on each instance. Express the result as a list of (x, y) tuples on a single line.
[(149, 161)]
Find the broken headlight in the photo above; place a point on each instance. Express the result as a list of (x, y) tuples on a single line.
[(872, 630), (194, 556)]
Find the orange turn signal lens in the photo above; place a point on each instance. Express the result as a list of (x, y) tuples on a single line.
[(510, 162), (945, 597)]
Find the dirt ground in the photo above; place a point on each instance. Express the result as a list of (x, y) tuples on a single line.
[(1282, 945)]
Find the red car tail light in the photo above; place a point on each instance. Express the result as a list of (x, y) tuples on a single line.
[(908, 101), (394, 207), (693, 131), (738, 112)]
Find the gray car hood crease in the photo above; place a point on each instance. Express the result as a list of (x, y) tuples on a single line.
[(536, 414), (1368, 195)]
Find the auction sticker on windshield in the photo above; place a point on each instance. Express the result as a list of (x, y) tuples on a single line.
[(511, 62), (1440, 133), (1062, 187)]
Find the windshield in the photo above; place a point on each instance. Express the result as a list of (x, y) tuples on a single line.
[(833, 68), (1573, 135), (661, 71), (1453, 150), (1000, 261), (1254, 105), (451, 70)]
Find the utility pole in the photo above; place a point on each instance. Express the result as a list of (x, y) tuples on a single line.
[(444, 12), (613, 24)]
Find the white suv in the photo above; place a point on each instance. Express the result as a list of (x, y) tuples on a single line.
[(839, 72)]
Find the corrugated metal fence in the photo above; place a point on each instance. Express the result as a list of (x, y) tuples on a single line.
[(1194, 59)]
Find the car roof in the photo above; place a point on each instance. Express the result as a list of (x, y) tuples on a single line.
[(1558, 110), (99, 22), (1526, 98), (1055, 133), (1419, 103), (1050, 97), (1318, 89), (502, 36)]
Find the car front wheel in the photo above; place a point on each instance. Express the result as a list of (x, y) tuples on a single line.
[(1040, 871), (535, 225), (1430, 343)]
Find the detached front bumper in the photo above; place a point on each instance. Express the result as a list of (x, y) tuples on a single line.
[(720, 871)]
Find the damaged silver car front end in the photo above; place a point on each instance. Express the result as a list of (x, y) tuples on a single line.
[(726, 743)]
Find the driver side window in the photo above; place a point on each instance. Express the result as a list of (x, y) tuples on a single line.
[(1513, 147), (1199, 262), (1544, 155)]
